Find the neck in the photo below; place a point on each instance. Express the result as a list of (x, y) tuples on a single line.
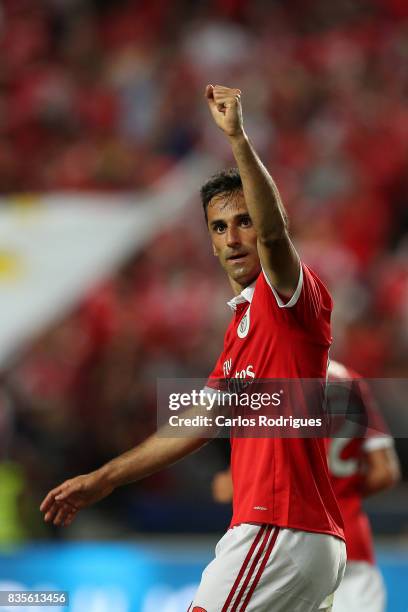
[(238, 287)]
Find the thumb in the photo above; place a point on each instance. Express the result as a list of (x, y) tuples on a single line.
[(209, 92)]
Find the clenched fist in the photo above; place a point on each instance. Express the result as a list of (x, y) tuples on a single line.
[(225, 107)]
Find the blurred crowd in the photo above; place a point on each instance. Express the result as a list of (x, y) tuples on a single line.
[(108, 95)]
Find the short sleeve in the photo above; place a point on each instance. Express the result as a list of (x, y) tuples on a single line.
[(377, 442), (311, 301)]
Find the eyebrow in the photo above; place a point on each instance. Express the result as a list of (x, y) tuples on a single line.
[(236, 217)]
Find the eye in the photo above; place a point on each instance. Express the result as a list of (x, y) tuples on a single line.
[(246, 221), (219, 228)]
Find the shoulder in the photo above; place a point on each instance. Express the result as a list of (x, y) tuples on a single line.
[(311, 300)]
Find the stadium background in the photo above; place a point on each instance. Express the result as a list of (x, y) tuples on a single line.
[(106, 275)]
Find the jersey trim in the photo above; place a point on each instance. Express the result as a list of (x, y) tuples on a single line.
[(293, 300), (378, 442)]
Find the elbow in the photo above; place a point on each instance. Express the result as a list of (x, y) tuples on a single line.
[(393, 472), (395, 476), (389, 480), (382, 471)]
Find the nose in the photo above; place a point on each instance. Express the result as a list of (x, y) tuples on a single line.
[(233, 236)]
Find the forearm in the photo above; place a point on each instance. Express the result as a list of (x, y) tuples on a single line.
[(376, 484), (61, 504), (261, 193), (380, 470), (149, 457)]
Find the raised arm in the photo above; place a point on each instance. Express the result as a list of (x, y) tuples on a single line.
[(276, 251), (62, 504)]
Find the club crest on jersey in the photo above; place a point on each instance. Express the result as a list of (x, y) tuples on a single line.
[(243, 327)]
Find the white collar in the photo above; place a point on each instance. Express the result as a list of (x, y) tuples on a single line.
[(246, 295)]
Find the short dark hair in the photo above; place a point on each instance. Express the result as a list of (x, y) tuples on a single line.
[(226, 181)]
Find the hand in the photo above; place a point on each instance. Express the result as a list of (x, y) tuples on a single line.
[(62, 504), (222, 487), (225, 107)]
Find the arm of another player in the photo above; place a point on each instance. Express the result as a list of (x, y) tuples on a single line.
[(222, 489), (276, 251), (62, 504), (381, 470)]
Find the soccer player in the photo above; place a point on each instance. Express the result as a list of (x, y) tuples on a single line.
[(358, 467), (285, 550)]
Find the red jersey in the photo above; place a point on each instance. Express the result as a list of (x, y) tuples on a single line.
[(345, 456), (281, 481)]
